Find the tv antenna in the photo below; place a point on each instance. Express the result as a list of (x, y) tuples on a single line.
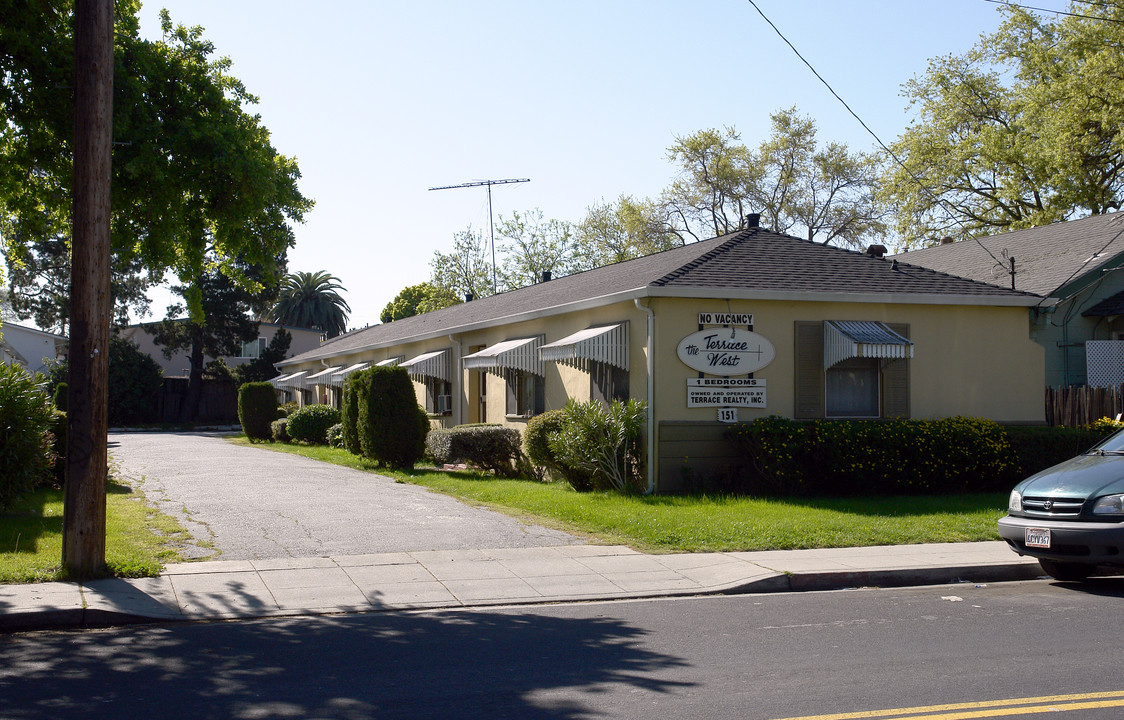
[(491, 229)]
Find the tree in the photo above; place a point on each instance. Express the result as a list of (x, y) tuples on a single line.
[(417, 299), (531, 246), (618, 231), (466, 270), (195, 178), (261, 368), (1025, 129), (827, 195), (312, 300)]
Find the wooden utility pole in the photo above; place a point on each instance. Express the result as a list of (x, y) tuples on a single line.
[(83, 542)]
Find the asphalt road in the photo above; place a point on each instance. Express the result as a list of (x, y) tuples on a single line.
[(984, 650), (245, 503)]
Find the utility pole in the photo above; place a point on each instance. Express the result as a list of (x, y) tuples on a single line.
[(491, 230), (83, 543)]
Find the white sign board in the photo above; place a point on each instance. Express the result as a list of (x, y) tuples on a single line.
[(728, 415), (725, 318), (725, 392), (726, 351)]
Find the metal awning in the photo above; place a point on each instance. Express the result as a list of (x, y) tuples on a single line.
[(324, 377), (604, 344), (431, 364), (521, 354), (846, 339), (390, 362), (295, 380), (279, 379), (338, 378)]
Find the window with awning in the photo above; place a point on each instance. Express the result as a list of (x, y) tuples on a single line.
[(515, 355), (297, 380), (431, 365), (603, 344), (848, 339), (324, 377), (339, 377), (389, 362)]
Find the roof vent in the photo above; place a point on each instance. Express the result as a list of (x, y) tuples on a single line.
[(876, 251), (753, 220), (947, 241), (468, 297), (546, 276)]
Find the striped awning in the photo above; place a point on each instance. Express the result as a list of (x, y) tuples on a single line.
[(521, 354), (338, 378), (605, 344), (389, 362), (295, 380), (432, 364), (846, 339), (275, 382), (324, 377)]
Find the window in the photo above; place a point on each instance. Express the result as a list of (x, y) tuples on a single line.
[(438, 396), (526, 393), (608, 383), (852, 387), (253, 348)]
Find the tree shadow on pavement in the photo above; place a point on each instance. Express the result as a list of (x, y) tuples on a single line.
[(460, 664)]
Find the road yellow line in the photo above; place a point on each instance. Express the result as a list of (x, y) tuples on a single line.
[(986, 708)]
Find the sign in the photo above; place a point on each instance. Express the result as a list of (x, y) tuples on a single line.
[(725, 393), (725, 318), (728, 415), (726, 351)]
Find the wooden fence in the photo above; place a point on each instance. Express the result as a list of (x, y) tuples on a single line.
[(1073, 406)]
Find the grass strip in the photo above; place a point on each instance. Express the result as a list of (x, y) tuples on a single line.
[(705, 523)]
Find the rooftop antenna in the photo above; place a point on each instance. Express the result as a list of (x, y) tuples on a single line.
[(491, 229)]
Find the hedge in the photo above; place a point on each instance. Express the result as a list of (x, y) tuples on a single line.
[(489, 447), (257, 408), (311, 422)]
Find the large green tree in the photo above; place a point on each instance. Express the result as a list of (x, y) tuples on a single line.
[(825, 194), (417, 299), (621, 230), (312, 300), (1024, 129), (196, 182), (531, 245), (467, 269)]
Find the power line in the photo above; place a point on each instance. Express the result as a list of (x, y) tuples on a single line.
[(1060, 12)]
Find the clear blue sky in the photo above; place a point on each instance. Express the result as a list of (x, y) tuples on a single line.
[(379, 101)]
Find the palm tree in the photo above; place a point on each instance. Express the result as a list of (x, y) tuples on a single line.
[(311, 300)]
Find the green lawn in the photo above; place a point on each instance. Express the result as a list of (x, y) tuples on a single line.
[(707, 523), (139, 540)]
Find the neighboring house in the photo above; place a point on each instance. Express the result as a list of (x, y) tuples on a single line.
[(29, 348), (179, 364), (734, 328), (1078, 262)]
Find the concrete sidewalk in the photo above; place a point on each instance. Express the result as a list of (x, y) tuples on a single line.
[(467, 578)]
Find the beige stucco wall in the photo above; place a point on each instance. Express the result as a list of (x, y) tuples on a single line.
[(968, 360)]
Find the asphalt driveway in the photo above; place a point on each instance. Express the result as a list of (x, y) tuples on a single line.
[(250, 504)]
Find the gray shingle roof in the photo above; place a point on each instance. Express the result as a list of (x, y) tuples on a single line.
[(754, 261), (1046, 258)]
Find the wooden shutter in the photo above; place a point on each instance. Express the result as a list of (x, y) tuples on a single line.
[(895, 381), (809, 398)]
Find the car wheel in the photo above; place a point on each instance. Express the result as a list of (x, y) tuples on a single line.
[(1073, 572)]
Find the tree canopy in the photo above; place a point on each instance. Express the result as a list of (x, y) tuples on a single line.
[(196, 182), (417, 299), (312, 300), (1024, 129)]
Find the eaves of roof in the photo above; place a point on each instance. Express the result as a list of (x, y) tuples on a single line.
[(753, 264)]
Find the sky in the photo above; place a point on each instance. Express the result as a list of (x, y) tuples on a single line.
[(379, 101)]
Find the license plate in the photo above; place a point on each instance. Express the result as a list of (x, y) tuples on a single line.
[(1038, 537)]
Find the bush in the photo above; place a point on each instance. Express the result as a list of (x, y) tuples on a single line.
[(1037, 448), (26, 441), (335, 436), (135, 381), (279, 430), (603, 442), (287, 409), (257, 408), (311, 422), (536, 448), (874, 457), (58, 429), (487, 447), (389, 428), (60, 396), (354, 387)]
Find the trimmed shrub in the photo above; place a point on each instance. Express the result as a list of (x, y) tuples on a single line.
[(354, 387), (311, 422), (536, 448), (287, 409), (603, 442), (335, 436), (257, 408), (26, 441), (844, 458), (390, 432), (60, 396), (487, 447), (135, 380), (279, 430), (1037, 448)]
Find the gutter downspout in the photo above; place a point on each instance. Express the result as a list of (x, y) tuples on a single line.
[(460, 381), (651, 429)]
